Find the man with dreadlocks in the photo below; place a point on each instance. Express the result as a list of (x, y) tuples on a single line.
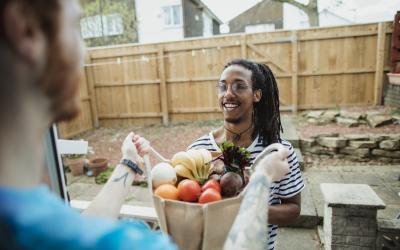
[(249, 98)]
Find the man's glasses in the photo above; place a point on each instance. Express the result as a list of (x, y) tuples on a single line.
[(236, 87)]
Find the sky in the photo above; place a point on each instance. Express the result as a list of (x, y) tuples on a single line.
[(359, 11)]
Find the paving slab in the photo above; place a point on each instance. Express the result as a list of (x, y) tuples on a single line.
[(371, 179), (317, 177), (298, 239), (318, 199)]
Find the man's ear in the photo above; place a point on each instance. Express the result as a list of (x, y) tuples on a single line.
[(23, 32), (257, 95)]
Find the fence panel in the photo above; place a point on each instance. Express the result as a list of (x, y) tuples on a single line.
[(176, 81)]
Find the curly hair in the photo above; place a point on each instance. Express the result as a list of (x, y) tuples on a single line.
[(266, 115)]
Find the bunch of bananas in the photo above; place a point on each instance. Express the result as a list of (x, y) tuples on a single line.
[(193, 164)]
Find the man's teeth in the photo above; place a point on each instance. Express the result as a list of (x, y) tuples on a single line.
[(230, 105)]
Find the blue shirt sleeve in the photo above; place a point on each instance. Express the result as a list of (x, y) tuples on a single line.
[(37, 219)]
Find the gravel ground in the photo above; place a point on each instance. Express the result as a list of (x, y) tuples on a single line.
[(106, 142)]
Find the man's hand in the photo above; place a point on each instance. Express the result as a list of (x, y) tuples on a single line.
[(273, 162)]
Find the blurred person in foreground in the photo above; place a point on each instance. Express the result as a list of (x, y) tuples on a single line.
[(40, 63)]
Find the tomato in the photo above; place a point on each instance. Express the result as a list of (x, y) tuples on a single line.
[(189, 190), (211, 184), (210, 195)]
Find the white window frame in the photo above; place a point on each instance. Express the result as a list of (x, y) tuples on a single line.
[(169, 10), (91, 27)]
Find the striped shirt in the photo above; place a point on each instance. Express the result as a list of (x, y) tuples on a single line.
[(289, 186)]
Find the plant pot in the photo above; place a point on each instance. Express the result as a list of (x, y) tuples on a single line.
[(75, 165), (98, 165), (394, 78)]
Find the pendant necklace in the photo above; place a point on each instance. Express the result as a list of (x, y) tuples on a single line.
[(237, 136)]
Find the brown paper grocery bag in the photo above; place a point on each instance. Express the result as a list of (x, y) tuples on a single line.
[(195, 226)]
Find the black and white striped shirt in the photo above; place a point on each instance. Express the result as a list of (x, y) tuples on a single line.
[(288, 187)]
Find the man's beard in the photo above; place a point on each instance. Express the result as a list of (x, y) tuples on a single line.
[(234, 120)]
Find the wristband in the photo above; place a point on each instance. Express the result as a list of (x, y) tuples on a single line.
[(130, 164)]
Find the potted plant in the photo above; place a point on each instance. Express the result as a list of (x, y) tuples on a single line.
[(75, 162), (98, 165)]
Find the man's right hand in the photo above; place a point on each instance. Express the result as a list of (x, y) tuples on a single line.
[(274, 164)]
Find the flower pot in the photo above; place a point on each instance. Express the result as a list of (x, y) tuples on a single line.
[(75, 165), (98, 165), (394, 78)]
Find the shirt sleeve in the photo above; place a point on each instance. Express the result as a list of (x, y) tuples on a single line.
[(40, 220), (293, 182)]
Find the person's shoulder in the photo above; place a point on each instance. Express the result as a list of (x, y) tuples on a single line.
[(286, 143), (201, 142)]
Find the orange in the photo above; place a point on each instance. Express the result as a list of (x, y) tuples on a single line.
[(167, 191)]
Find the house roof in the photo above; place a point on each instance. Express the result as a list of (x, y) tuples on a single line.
[(202, 5), (246, 11)]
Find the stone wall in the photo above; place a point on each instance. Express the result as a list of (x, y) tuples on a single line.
[(359, 147), (392, 96)]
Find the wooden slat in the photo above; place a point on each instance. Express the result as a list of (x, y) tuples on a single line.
[(338, 36), (194, 110), (266, 57), (380, 52), (337, 72), (294, 71), (243, 46), (92, 94), (105, 84), (137, 115), (163, 86)]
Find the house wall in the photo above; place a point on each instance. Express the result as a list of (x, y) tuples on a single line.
[(216, 29), (151, 26), (266, 12), (193, 19)]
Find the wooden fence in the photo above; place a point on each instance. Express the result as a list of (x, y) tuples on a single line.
[(175, 81)]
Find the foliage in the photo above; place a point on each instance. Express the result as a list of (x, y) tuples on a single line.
[(74, 156), (125, 8), (235, 158), (104, 176)]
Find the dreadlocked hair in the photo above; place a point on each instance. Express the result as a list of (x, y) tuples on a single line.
[(266, 115)]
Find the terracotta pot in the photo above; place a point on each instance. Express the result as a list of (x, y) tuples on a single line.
[(75, 165), (98, 165)]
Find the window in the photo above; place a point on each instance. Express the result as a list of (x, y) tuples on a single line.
[(260, 28), (98, 26), (172, 15)]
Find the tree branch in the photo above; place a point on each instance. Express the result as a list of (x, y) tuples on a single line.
[(294, 3)]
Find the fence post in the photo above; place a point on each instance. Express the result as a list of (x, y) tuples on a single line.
[(243, 46), (91, 91), (380, 54), (163, 85), (295, 59)]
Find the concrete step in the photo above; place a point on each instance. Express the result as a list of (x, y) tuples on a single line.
[(308, 216), (297, 238)]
